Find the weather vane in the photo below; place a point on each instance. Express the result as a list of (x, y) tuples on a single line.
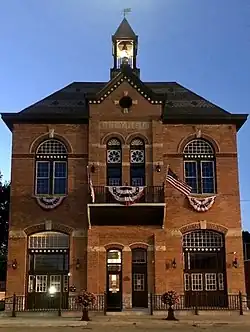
[(126, 11)]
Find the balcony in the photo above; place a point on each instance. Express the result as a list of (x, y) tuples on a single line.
[(151, 194), (147, 210)]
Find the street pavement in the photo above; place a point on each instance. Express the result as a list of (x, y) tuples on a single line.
[(126, 324)]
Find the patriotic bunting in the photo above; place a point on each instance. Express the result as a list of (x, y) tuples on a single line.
[(200, 204), (126, 194)]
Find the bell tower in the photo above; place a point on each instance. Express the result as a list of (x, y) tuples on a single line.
[(125, 43)]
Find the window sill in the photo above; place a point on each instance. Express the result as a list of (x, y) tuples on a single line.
[(203, 195), (49, 196)]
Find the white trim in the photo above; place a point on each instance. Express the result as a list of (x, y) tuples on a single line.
[(206, 161), (121, 205), (36, 178), (54, 177), (196, 169), (207, 275)]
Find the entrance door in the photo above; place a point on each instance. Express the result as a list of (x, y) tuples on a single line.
[(205, 269), (139, 278), (114, 280)]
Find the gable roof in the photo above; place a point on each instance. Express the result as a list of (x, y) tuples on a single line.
[(71, 104), (124, 30)]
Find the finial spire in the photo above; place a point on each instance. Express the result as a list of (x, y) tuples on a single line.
[(126, 11)]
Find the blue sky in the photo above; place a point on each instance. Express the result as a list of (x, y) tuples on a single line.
[(202, 44)]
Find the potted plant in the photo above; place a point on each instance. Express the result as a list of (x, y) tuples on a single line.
[(170, 298), (85, 299)]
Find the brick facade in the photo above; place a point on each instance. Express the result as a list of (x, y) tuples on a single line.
[(86, 145)]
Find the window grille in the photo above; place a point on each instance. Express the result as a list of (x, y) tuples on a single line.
[(198, 146), (136, 142), (114, 142), (45, 240), (51, 146), (203, 239)]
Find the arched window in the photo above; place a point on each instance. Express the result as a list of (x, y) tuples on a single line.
[(51, 168), (199, 166), (137, 162), (114, 162), (48, 266)]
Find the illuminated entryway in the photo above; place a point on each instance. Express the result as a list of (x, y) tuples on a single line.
[(204, 268), (48, 254)]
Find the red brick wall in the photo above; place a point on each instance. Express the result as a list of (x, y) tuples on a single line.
[(164, 145)]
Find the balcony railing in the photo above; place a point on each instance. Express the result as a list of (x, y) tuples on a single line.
[(151, 194)]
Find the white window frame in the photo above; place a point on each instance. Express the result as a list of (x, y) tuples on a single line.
[(200, 278), (204, 177), (186, 282), (37, 163), (54, 177), (186, 177), (207, 276), (221, 282), (42, 285), (55, 280)]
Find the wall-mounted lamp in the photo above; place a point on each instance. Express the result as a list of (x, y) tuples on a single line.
[(14, 264), (235, 262), (171, 264), (174, 264), (158, 168), (78, 264), (92, 168)]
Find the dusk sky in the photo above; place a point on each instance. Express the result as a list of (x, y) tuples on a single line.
[(202, 44)]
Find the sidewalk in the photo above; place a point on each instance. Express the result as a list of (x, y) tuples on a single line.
[(147, 322)]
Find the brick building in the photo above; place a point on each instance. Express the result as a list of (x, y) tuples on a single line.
[(133, 232)]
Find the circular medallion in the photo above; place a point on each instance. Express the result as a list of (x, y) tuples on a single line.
[(137, 156), (114, 156)]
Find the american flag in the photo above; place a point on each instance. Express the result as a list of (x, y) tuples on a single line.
[(178, 184), (91, 187)]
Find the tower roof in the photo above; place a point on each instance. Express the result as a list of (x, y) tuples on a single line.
[(124, 30)]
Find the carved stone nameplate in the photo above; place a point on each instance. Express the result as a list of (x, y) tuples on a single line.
[(126, 125)]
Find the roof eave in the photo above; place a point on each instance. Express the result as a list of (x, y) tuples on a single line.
[(13, 118)]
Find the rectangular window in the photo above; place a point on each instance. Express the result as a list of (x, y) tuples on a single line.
[(221, 281), (204, 261), (55, 281), (60, 178), (50, 262), (186, 282), (210, 282), (42, 177), (138, 282), (31, 284), (191, 175), (114, 176), (207, 177), (196, 282), (41, 283)]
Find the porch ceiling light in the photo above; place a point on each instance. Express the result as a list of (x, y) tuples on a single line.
[(52, 290)]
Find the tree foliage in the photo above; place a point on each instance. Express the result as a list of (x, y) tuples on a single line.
[(4, 223)]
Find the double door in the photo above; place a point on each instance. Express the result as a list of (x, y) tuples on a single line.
[(47, 291), (204, 279)]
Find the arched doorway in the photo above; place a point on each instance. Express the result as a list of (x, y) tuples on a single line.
[(48, 268), (204, 268), (139, 278), (114, 280)]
